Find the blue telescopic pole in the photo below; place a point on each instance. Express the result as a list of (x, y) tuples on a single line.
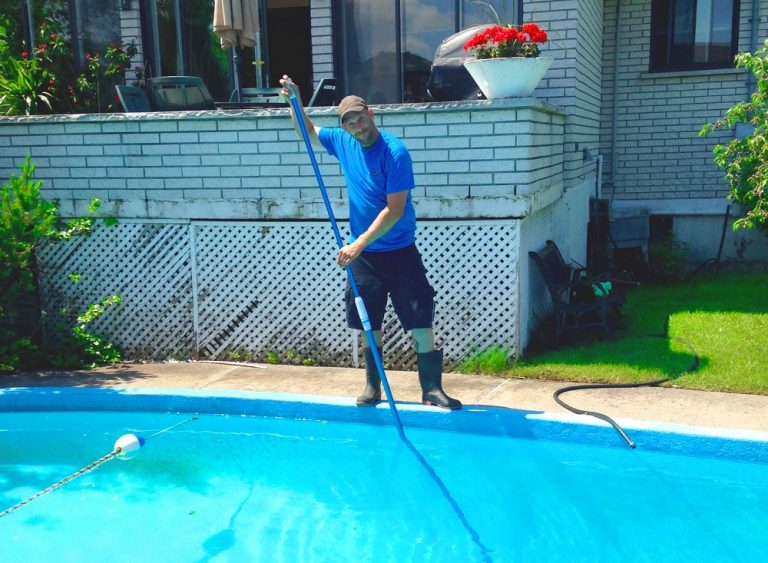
[(362, 313)]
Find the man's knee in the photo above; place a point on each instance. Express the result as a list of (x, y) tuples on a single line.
[(423, 340), (376, 336)]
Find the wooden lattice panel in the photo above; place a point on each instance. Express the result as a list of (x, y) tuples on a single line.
[(472, 267), (270, 289), (148, 265)]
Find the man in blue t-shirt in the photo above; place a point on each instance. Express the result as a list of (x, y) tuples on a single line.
[(381, 251)]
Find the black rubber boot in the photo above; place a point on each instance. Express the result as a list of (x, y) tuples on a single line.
[(431, 379), (372, 392)]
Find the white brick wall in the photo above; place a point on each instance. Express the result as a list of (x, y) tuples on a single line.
[(659, 154), (487, 162), (322, 40), (471, 160), (130, 30), (576, 30)]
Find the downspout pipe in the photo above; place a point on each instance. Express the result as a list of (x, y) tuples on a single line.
[(753, 44), (615, 101)]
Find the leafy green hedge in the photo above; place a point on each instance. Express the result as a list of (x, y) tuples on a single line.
[(26, 221)]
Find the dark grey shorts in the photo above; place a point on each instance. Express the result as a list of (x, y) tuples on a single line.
[(398, 274)]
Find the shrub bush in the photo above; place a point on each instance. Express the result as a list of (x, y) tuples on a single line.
[(745, 159), (26, 220), (48, 79)]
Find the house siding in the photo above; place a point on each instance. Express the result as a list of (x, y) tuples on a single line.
[(130, 30), (321, 14), (658, 152), (574, 81)]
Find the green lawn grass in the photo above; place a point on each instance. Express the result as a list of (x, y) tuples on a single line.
[(722, 319)]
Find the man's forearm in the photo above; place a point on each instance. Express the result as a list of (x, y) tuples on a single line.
[(381, 225), (310, 126)]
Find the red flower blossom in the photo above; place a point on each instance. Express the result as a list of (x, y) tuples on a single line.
[(24, 54), (507, 41)]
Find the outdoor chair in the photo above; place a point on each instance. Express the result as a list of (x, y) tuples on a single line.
[(132, 99), (264, 97), (579, 301), (325, 93), (180, 93)]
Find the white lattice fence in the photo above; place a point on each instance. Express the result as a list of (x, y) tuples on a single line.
[(148, 265), (473, 268), (270, 288), (256, 289)]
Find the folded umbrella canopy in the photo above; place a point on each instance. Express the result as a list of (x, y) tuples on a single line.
[(236, 23)]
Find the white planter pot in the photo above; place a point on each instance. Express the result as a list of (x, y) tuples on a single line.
[(505, 78)]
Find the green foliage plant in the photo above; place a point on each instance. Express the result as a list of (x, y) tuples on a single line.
[(27, 221), (24, 220), (489, 361), (48, 79), (76, 346), (667, 259), (745, 159), (22, 81)]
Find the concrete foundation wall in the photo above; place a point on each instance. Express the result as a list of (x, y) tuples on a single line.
[(565, 222), (743, 249)]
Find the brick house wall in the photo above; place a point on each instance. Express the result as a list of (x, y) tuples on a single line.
[(655, 160), (250, 164), (659, 154), (574, 80), (322, 40)]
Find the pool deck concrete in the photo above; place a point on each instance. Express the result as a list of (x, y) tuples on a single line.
[(652, 404)]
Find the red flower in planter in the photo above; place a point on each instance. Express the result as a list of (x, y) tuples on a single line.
[(507, 41)]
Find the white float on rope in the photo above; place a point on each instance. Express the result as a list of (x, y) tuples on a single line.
[(128, 443)]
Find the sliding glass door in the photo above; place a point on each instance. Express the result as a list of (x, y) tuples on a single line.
[(386, 48)]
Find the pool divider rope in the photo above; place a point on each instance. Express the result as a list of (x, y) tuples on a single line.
[(124, 445), (361, 311), (57, 484)]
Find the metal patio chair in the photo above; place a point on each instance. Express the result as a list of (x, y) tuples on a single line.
[(179, 93), (574, 299), (325, 93), (132, 99)]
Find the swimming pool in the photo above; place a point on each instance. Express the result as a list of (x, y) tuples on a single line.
[(264, 477)]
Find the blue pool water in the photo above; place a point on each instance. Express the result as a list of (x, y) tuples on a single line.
[(282, 484)]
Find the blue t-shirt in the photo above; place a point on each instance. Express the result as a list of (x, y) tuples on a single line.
[(371, 174)]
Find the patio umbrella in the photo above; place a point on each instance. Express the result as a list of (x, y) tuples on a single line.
[(236, 23)]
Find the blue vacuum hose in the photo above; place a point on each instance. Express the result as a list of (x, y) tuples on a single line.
[(362, 313)]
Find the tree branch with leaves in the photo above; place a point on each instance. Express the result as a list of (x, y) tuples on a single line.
[(745, 159)]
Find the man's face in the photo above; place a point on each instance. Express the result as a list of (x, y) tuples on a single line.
[(360, 125)]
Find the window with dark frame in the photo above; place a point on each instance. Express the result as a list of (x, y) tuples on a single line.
[(385, 49), (693, 34)]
